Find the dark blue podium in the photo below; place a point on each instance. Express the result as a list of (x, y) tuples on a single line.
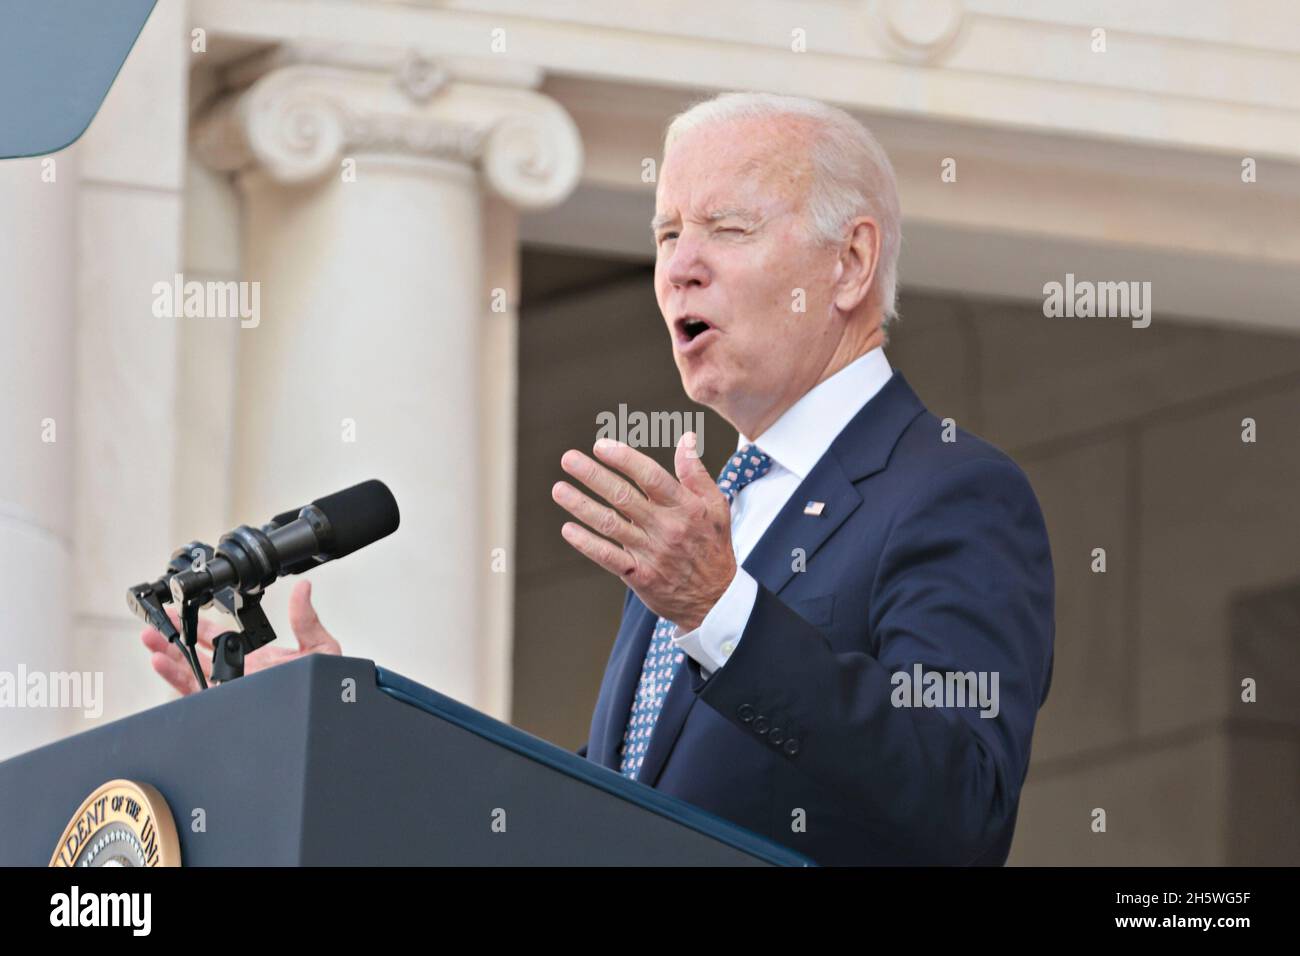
[(332, 761)]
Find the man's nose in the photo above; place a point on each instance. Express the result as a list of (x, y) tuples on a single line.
[(687, 265)]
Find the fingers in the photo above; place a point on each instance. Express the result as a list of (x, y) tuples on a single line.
[(604, 520), (206, 630), (154, 640), (169, 663), (609, 556), (307, 627), (690, 470), (650, 477), (269, 656), (167, 659), (626, 498), (175, 673)]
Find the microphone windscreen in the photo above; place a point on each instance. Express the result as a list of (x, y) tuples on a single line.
[(359, 516)]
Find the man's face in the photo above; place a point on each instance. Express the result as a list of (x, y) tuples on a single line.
[(733, 262)]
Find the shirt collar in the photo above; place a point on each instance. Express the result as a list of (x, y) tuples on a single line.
[(799, 438)]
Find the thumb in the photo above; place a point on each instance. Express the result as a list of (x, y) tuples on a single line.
[(307, 628), (690, 470)]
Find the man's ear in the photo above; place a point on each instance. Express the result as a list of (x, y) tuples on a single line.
[(856, 268)]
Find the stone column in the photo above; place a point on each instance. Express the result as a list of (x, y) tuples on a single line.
[(38, 199), (378, 352), (86, 371)]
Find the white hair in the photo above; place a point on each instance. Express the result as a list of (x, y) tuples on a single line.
[(851, 174)]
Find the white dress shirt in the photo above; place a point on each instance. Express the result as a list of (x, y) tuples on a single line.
[(795, 443)]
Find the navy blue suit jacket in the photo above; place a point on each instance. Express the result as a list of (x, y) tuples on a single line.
[(926, 552)]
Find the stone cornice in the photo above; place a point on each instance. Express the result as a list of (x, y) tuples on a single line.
[(1215, 77)]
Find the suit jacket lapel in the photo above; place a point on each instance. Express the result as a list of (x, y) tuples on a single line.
[(614, 704), (859, 451), (772, 562)]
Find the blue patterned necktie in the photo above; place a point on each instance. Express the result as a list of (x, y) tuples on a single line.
[(662, 658)]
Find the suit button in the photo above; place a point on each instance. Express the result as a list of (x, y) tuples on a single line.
[(761, 724), (746, 712), (775, 736), (791, 747)]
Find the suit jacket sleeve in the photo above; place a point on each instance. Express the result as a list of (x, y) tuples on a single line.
[(964, 583)]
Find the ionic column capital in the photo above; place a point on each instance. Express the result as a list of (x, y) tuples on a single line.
[(297, 112)]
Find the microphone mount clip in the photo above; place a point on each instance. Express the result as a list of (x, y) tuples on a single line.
[(230, 648)]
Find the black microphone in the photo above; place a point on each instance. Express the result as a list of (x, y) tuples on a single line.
[(146, 600), (248, 559), (297, 567)]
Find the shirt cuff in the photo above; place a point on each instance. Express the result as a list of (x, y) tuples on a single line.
[(716, 638)]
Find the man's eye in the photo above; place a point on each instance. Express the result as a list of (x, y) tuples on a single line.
[(664, 237)]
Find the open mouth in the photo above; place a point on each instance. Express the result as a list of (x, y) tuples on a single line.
[(690, 328)]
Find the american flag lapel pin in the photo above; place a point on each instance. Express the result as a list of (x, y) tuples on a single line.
[(814, 508)]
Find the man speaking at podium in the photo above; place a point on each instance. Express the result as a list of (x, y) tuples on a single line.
[(842, 641)]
